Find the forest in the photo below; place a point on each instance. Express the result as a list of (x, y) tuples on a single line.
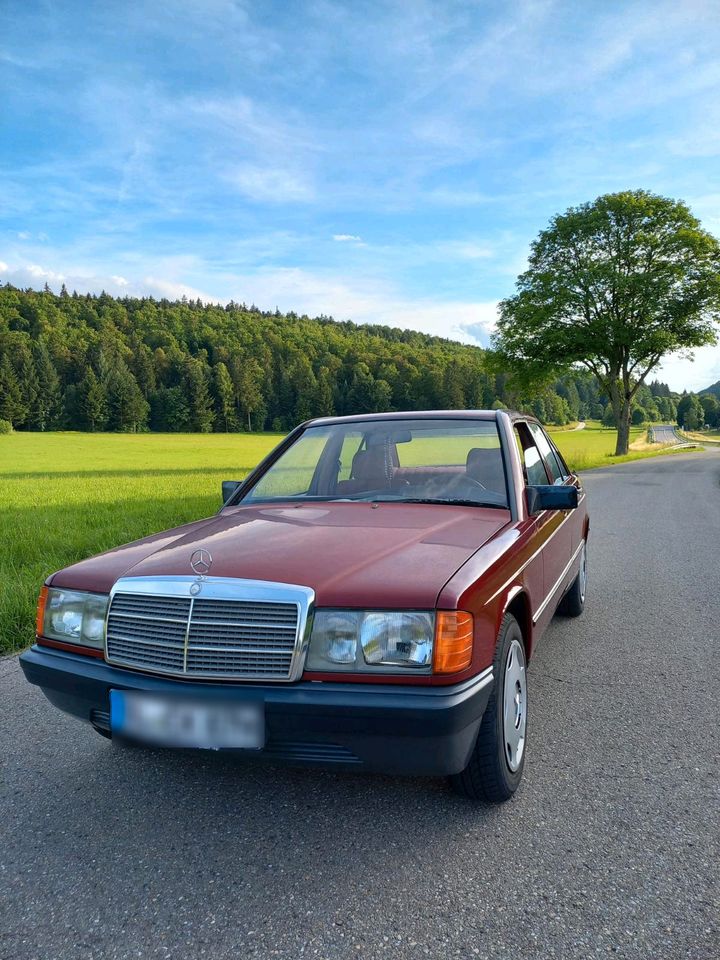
[(72, 361)]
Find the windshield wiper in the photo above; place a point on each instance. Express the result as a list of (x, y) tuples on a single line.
[(453, 501)]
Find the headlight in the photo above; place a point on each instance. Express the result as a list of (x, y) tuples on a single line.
[(371, 642), (398, 639), (74, 617)]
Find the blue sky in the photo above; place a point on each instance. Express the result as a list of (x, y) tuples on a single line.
[(381, 162)]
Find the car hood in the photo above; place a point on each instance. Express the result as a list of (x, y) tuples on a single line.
[(351, 554)]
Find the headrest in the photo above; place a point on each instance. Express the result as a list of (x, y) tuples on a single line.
[(369, 464), (481, 456), (485, 465)]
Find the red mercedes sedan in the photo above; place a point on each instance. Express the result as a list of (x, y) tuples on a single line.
[(367, 598)]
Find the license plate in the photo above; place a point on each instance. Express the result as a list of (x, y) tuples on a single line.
[(179, 722)]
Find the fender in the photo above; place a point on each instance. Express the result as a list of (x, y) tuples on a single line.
[(522, 613)]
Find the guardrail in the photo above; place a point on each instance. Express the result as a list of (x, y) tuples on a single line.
[(681, 441)]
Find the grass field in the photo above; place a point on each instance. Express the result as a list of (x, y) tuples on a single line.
[(595, 445), (703, 436), (66, 496)]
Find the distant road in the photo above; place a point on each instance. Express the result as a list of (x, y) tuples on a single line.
[(611, 847), (665, 433), (580, 426)]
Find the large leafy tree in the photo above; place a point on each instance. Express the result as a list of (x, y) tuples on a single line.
[(615, 286)]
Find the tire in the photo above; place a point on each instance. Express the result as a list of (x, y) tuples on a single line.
[(573, 603), (496, 764)]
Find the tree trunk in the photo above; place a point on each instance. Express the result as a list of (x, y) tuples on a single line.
[(622, 409), (623, 430)]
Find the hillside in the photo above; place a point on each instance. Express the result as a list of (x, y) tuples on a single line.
[(87, 362), (713, 388)]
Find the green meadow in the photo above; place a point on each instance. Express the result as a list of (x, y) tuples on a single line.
[(595, 445), (66, 496)]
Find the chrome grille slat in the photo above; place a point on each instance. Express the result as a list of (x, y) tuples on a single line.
[(225, 636), (120, 638), (144, 616), (240, 636), (162, 607), (201, 625), (231, 608), (146, 629)]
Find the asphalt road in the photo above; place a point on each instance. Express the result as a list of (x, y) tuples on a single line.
[(610, 848), (665, 433)]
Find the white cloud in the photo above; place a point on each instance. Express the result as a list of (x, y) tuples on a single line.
[(171, 289), (364, 300), (346, 238), (271, 185), (86, 279), (40, 273), (682, 374), (24, 235)]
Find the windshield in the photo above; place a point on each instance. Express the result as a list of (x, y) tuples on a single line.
[(425, 461)]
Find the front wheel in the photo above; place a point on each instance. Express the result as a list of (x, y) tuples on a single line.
[(496, 764)]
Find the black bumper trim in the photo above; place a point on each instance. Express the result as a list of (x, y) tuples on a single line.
[(381, 727)]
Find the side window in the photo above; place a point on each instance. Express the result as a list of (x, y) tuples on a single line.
[(566, 471), (547, 453), (533, 466)]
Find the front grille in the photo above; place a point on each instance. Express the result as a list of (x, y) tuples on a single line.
[(203, 637)]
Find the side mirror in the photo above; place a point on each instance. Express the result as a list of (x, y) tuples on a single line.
[(547, 497), (228, 489)]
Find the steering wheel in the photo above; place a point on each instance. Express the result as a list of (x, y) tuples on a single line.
[(465, 479)]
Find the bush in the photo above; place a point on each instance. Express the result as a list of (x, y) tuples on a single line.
[(6, 426)]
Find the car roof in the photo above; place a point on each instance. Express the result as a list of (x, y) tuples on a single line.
[(419, 415)]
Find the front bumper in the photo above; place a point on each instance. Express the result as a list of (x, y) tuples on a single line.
[(378, 727)]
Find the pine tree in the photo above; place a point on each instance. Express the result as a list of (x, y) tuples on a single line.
[(45, 414), (127, 408), (248, 390), (142, 367), (198, 397), (323, 403), (170, 410), (12, 407), (224, 394), (27, 380), (92, 402), (304, 387)]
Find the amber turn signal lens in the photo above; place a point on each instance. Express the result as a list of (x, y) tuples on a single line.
[(453, 641), (40, 615)]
